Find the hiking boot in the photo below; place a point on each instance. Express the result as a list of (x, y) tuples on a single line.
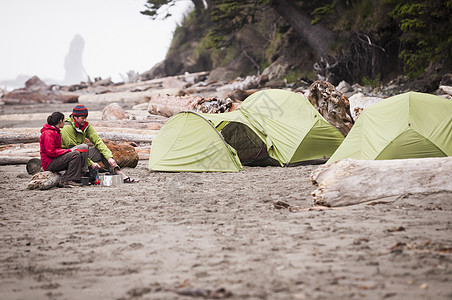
[(68, 184)]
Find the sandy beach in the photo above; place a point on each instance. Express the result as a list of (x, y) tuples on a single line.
[(217, 235)]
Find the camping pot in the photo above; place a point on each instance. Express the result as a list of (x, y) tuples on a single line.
[(111, 180), (85, 181)]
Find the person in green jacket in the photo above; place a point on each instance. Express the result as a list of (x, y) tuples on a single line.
[(76, 129)]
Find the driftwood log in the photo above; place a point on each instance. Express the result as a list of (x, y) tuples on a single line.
[(332, 105), (123, 153), (349, 181), (44, 180), (17, 154), (167, 106), (14, 160), (32, 135), (125, 97), (143, 152), (36, 91)]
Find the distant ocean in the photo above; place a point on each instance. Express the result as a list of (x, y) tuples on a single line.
[(19, 82)]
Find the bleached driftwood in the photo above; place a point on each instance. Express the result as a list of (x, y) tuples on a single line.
[(44, 180), (31, 135), (93, 115), (126, 134), (29, 149), (167, 106), (349, 181), (36, 91), (15, 154), (125, 97), (19, 135), (143, 152), (14, 160)]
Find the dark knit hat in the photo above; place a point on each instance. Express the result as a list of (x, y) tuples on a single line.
[(80, 110)]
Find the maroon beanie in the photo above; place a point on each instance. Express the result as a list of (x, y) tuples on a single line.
[(80, 110)]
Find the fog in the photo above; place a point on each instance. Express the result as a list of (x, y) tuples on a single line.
[(96, 38)]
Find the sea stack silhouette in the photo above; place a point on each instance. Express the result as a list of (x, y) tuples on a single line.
[(73, 62)]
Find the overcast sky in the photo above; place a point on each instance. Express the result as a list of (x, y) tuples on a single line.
[(36, 35)]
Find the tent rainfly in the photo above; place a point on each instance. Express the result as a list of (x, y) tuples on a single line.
[(188, 142), (271, 127), (409, 125)]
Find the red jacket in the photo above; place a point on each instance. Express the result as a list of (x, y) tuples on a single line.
[(50, 144)]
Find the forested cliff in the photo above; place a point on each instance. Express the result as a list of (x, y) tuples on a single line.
[(363, 41)]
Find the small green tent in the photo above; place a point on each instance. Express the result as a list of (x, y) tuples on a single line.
[(188, 142), (271, 127), (409, 125)]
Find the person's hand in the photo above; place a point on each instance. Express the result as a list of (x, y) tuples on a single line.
[(112, 162), (95, 166)]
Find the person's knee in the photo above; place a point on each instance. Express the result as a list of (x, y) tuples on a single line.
[(81, 148), (76, 155)]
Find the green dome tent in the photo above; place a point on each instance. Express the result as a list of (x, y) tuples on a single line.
[(188, 142), (295, 131), (409, 125), (271, 127)]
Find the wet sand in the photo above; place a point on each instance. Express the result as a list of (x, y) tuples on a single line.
[(190, 233)]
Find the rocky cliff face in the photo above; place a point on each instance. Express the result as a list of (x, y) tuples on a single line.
[(366, 50), (268, 46)]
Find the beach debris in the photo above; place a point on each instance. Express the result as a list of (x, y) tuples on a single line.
[(124, 154), (359, 101), (220, 293), (34, 166), (122, 134), (421, 247), (332, 105), (168, 105), (113, 112), (44, 180), (174, 82), (122, 94), (249, 82), (14, 160), (396, 229), (349, 181), (139, 291), (36, 91), (445, 91), (19, 135), (373, 203), (16, 154), (344, 87), (281, 205), (284, 205), (424, 286), (239, 95)]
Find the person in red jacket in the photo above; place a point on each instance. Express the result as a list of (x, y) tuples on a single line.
[(56, 159)]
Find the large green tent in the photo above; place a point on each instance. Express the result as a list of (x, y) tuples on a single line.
[(409, 125), (271, 127)]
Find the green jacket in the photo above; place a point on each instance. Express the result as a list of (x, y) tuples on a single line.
[(72, 136)]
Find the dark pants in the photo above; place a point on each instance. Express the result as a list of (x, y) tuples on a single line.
[(71, 162), (96, 156)]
